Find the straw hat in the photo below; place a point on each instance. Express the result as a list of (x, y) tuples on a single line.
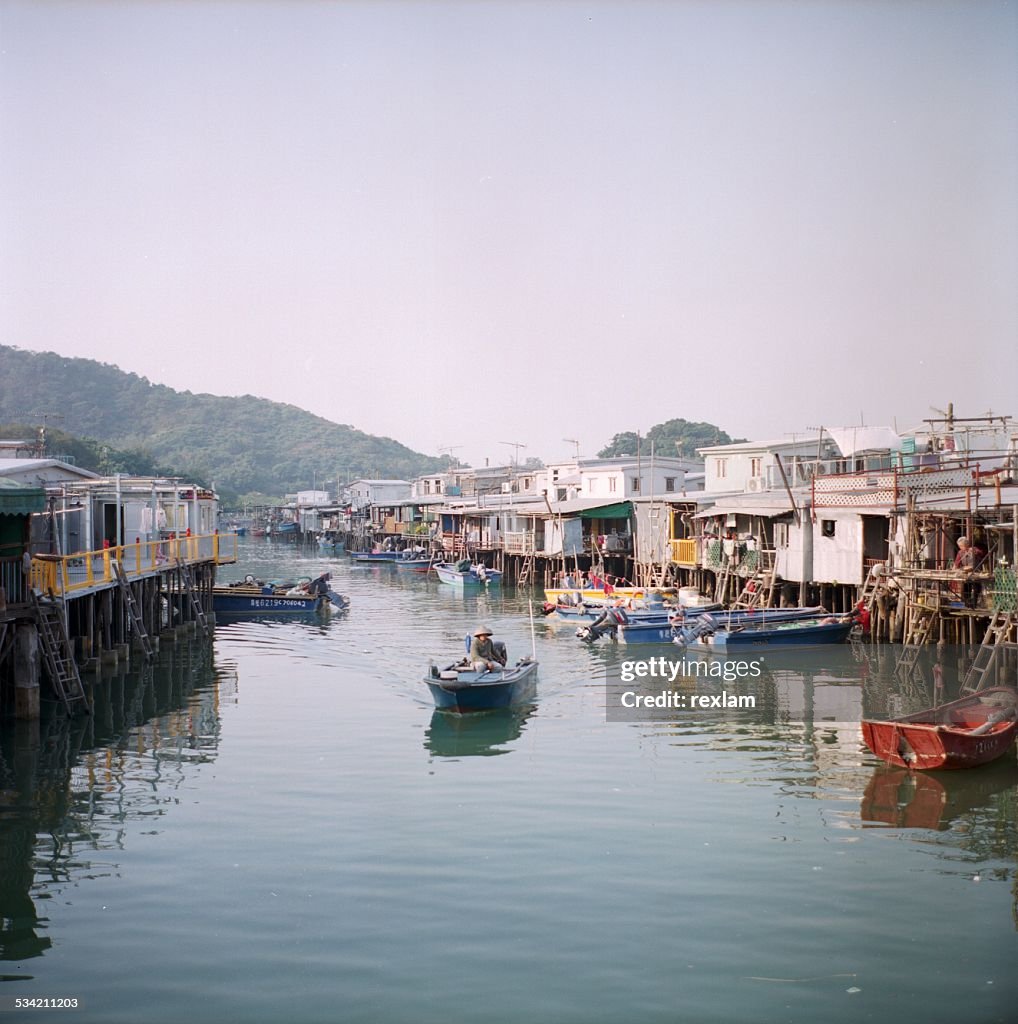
[(482, 631)]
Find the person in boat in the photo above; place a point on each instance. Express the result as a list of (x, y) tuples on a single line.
[(484, 656)]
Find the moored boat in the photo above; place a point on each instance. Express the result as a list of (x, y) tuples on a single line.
[(374, 556), (964, 733), (465, 574), (255, 597), (707, 635)]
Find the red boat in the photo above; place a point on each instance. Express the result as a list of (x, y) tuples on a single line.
[(965, 733)]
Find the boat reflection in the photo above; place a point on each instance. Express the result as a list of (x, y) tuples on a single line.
[(480, 734), (933, 800)]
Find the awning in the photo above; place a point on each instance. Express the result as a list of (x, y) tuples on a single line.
[(770, 512), (617, 510), (18, 500)]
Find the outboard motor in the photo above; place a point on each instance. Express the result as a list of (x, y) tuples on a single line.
[(607, 622), (700, 627)]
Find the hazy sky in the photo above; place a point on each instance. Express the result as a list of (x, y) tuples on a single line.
[(462, 224)]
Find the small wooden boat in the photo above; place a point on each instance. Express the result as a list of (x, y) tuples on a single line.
[(254, 597), (964, 733), (415, 560), (460, 688), (707, 635), (464, 574), (374, 556)]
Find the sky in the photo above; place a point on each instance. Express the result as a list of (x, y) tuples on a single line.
[(513, 229)]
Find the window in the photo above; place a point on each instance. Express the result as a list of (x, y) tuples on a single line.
[(781, 535), (756, 467), (611, 484), (827, 527), (634, 483), (721, 468), (592, 485), (669, 483)]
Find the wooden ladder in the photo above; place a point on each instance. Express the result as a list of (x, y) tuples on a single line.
[(526, 569), (133, 609), (913, 645), (868, 596), (56, 649), (188, 580), (997, 637)]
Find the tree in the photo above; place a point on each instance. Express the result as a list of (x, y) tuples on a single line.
[(673, 438)]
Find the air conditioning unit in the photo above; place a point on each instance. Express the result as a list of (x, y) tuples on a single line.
[(507, 487), (756, 484)]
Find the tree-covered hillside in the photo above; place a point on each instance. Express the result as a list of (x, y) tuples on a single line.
[(243, 446)]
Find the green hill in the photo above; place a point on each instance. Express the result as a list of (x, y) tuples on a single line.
[(243, 446)]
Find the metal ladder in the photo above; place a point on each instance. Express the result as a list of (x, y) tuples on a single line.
[(133, 609), (188, 580), (997, 638), (56, 649)]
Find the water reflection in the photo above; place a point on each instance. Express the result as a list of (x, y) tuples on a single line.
[(69, 787), (937, 800), (482, 734)]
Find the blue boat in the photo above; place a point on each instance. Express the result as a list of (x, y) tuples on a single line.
[(460, 688), (707, 636), (464, 574), (256, 598), (374, 556)]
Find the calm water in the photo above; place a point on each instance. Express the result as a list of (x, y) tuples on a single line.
[(277, 826)]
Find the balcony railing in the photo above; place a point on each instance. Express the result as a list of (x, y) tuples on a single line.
[(61, 575), (684, 551)]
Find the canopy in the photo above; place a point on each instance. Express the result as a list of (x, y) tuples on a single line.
[(18, 500), (618, 510)]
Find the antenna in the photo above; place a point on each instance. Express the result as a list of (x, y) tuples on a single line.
[(449, 449), (573, 441), (516, 446)]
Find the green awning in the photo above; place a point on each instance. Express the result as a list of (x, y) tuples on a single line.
[(18, 500), (619, 510)]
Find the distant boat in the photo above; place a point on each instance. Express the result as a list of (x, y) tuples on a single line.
[(374, 556), (329, 544), (460, 688), (464, 574), (414, 561), (964, 733)]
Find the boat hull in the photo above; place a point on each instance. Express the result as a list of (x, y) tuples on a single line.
[(493, 577), (956, 735), (464, 692), (792, 634), (253, 601)]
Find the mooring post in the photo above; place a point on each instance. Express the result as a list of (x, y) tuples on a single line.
[(26, 672)]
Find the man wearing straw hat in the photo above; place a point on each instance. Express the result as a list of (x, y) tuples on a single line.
[(483, 656)]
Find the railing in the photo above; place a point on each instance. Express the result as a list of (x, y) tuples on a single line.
[(684, 551), (518, 543), (68, 574), (12, 580)]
